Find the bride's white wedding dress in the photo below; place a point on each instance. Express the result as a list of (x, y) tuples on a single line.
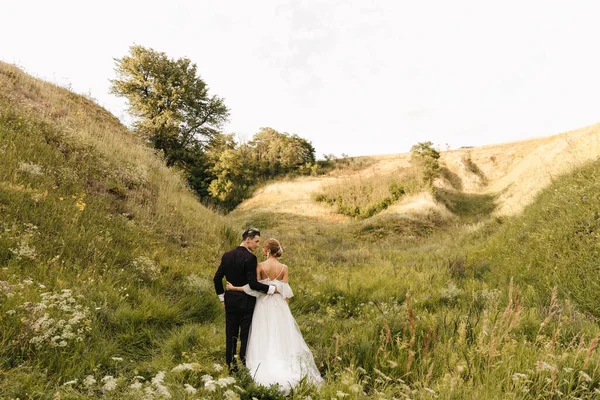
[(276, 350)]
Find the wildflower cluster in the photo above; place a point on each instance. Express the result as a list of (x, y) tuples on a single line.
[(156, 387), (211, 385), (80, 204), (24, 249), (30, 169), (194, 283), (6, 289), (146, 268), (56, 320)]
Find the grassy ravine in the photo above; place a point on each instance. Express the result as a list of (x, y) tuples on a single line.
[(498, 309)]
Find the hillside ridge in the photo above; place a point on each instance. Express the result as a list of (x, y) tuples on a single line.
[(514, 172)]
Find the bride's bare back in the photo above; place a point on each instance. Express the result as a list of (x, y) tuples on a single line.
[(272, 269)]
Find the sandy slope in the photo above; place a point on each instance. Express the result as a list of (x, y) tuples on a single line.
[(516, 171)]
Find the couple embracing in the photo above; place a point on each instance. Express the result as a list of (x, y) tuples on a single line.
[(257, 311)]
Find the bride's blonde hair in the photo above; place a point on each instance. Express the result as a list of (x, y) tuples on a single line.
[(273, 247)]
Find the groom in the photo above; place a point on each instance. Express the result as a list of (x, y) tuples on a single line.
[(239, 267)]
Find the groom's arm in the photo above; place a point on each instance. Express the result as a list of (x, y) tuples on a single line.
[(218, 280), (251, 278)]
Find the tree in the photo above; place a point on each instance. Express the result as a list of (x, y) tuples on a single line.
[(237, 168), (425, 157), (232, 169), (173, 108), (280, 153)]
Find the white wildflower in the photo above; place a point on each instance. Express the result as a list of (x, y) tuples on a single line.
[(137, 385), (206, 378), (117, 359), (161, 390), (11, 312), (568, 369), (146, 268), (223, 382), (230, 395), (210, 386), (217, 367), (186, 367), (89, 381), (56, 320), (24, 251), (159, 377), (31, 169), (341, 394), (73, 382), (189, 388), (110, 383)]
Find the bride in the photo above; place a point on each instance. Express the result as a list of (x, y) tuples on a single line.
[(277, 353)]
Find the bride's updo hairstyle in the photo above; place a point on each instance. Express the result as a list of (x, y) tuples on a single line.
[(273, 247)]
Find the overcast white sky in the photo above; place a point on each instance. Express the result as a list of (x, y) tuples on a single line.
[(356, 77)]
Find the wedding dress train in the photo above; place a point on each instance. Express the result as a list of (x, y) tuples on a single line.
[(277, 353)]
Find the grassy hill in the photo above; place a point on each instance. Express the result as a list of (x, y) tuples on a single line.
[(474, 182), (106, 260), (94, 232)]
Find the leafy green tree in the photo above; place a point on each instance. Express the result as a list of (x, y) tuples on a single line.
[(280, 153), (171, 104), (426, 158), (233, 171)]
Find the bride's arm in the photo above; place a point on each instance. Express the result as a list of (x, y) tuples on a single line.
[(229, 286)]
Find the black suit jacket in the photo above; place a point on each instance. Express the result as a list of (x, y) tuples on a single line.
[(239, 267)]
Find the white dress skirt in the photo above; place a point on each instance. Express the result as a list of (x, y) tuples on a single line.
[(277, 353)]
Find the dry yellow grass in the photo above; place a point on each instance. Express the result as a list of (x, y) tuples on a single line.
[(515, 171), (293, 197)]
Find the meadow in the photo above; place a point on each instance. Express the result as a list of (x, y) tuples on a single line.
[(106, 260)]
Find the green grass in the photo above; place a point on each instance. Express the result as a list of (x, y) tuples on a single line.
[(364, 197), (392, 307), (469, 207)]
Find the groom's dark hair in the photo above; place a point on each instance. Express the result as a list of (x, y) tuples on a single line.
[(250, 233)]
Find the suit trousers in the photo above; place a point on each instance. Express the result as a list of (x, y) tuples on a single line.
[(237, 324)]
